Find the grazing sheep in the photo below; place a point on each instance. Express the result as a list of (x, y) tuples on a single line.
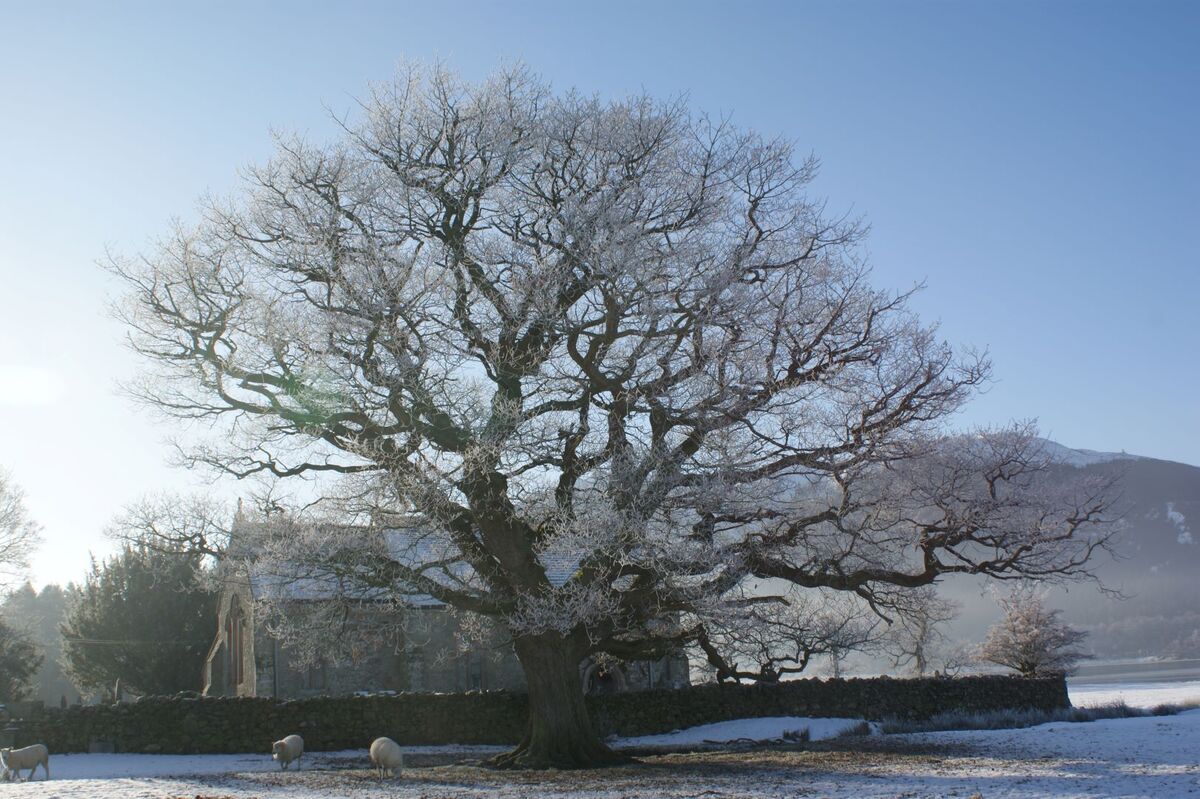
[(288, 749), (13, 760), (386, 757)]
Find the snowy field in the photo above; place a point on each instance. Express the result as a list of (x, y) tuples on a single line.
[(1133, 757), (1135, 695), (760, 729)]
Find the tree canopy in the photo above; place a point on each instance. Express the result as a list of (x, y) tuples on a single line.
[(610, 358)]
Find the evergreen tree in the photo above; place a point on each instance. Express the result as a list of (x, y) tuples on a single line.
[(41, 614), (143, 618), (19, 660)]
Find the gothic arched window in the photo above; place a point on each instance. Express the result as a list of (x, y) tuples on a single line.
[(234, 633)]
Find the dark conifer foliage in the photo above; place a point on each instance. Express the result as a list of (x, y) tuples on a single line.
[(143, 618)]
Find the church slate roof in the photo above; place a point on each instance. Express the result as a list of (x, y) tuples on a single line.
[(411, 546)]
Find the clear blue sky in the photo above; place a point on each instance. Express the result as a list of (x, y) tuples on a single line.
[(1035, 163)]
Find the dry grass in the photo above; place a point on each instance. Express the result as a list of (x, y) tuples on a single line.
[(1016, 719), (780, 767)]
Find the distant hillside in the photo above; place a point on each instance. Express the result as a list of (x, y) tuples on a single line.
[(1158, 568)]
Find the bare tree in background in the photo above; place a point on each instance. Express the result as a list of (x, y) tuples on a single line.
[(765, 641), (19, 534), (1032, 639), (174, 524), (557, 330), (917, 639)]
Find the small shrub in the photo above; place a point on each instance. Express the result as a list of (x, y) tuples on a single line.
[(801, 735), (860, 729), (1173, 709)]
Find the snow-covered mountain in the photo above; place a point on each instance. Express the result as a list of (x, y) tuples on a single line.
[(1160, 505), (1081, 457)]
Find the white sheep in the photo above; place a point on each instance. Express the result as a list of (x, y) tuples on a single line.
[(13, 760), (288, 749), (386, 757)]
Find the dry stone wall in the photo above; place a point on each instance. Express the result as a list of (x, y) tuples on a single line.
[(181, 725)]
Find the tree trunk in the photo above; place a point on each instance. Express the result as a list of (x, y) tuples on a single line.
[(559, 733)]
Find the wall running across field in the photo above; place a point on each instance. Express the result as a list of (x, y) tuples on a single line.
[(179, 725)]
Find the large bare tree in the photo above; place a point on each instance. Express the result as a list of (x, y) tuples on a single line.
[(19, 533), (560, 330)]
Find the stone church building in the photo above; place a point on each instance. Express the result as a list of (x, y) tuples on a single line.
[(245, 660)]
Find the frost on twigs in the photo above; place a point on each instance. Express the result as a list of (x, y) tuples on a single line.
[(612, 355), (917, 640), (317, 588), (19, 534), (765, 636), (1030, 638)]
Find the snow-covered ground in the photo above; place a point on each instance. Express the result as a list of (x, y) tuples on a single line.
[(1135, 694), (761, 729), (82, 767), (1133, 757)]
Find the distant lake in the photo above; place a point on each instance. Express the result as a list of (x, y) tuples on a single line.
[(1158, 671)]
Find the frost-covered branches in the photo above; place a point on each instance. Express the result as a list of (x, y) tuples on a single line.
[(1031, 639), (988, 503), (611, 356), (917, 639), (19, 534), (513, 313), (197, 524), (764, 637)]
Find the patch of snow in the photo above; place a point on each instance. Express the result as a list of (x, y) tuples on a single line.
[(772, 728), (1180, 521), (118, 766), (1135, 694), (115, 766)]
